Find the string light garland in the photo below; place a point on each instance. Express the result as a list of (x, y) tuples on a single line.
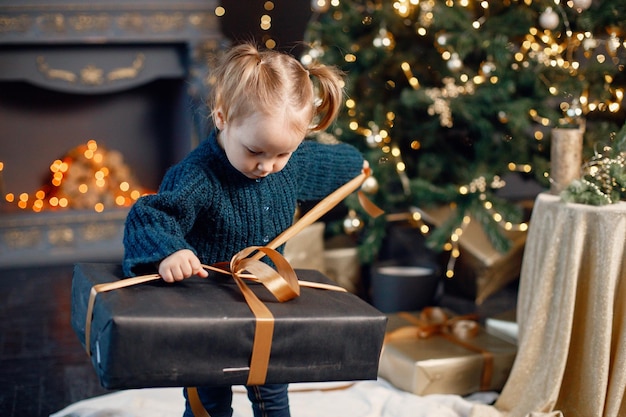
[(87, 177)]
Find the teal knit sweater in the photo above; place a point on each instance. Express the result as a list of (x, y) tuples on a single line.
[(204, 204)]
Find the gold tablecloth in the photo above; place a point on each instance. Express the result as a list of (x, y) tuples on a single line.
[(571, 312)]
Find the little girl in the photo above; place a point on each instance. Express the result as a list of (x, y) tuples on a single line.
[(240, 187)]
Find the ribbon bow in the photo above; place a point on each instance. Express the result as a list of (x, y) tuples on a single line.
[(459, 330)]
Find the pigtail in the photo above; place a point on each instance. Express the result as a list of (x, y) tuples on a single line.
[(330, 91), (245, 81)]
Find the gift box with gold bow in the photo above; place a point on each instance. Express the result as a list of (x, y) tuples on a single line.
[(202, 332), (433, 352)]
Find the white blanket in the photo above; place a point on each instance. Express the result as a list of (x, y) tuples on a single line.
[(358, 399)]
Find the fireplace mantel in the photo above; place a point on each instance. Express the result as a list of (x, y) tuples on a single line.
[(101, 21), (104, 46)]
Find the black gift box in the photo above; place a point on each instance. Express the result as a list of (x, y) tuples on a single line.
[(200, 332)]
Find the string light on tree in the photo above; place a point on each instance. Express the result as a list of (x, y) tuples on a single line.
[(472, 86)]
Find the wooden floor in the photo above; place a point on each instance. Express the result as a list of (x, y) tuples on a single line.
[(42, 365), (43, 368)]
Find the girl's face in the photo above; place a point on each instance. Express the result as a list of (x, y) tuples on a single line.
[(258, 145)]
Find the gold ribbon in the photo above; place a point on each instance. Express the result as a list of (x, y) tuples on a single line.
[(282, 282), (435, 321)]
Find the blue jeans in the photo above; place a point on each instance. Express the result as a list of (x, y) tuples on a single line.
[(269, 400)]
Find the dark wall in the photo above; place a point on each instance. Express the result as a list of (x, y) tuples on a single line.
[(289, 21)]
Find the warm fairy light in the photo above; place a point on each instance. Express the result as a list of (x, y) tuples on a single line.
[(404, 7), (266, 22), (220, 11), (413, 81), (87, 177)]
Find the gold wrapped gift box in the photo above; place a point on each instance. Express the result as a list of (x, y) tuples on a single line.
[(481, 270), (450, 356)]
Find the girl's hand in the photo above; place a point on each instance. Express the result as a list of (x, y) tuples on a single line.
[(180, 265)]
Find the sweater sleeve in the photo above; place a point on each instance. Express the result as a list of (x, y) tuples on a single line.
[(156, 224), (326, 167)]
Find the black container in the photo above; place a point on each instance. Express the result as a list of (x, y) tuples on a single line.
[(396, 287)]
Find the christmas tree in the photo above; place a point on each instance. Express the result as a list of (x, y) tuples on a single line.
[(446, 98)]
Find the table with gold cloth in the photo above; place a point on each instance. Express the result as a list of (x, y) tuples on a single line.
[(571, 313)]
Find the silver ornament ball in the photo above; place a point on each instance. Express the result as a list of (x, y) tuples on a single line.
[(549, 19)]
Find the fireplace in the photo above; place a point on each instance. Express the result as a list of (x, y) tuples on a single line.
[(125, 77)]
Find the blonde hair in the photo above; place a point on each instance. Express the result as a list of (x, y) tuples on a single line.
[(248, 80)]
